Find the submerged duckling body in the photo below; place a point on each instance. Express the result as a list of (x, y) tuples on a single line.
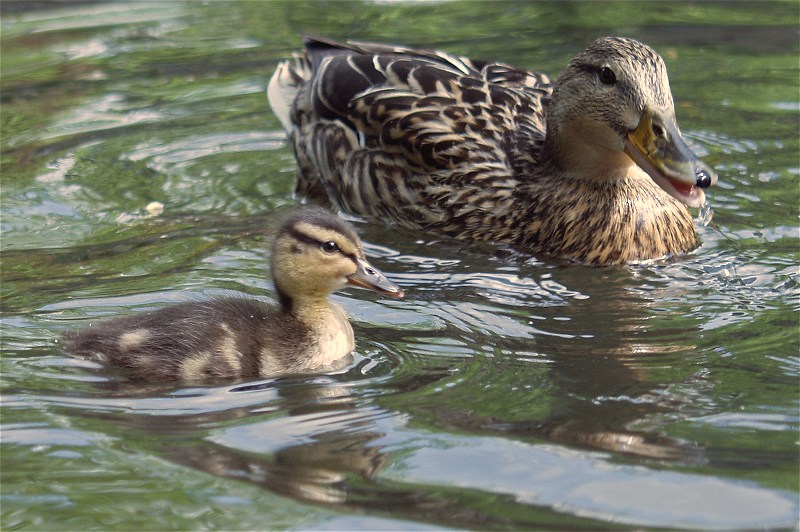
[(314, 254), (591, 168)]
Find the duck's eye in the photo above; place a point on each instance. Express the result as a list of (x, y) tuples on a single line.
[(607, 76), (329, 247)]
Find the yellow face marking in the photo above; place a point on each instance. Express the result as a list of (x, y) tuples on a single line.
[(132, 339)]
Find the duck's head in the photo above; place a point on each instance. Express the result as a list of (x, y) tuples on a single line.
[(612, 108), (316, 253)]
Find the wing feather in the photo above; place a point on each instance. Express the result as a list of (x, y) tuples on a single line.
[(416, 136)]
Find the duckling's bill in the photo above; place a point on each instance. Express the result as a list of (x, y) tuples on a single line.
[(369, 277), (657, 147)]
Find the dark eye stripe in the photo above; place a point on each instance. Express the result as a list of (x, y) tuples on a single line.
[(586, 67), (306, 239), (302, 237)]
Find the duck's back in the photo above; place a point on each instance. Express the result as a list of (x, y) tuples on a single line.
[(423, 138), (228, 337)]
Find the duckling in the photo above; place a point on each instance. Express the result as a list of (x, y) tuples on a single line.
[(591, 168), (314, 254)]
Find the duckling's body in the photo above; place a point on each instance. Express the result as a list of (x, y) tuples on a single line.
[(315, 253), (486, 151)]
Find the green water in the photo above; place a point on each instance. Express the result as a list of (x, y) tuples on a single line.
[(502, 393)]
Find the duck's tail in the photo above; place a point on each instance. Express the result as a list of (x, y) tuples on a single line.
[(284, 86)]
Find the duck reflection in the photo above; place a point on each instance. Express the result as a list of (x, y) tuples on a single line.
[(613, 381), (595, 372), (302, 437), (316, 471)]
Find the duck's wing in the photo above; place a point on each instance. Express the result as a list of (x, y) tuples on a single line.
[(226, 337), (317, 48), (416, 136)]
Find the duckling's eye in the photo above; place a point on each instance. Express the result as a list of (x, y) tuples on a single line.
[(607, 76), (329, 247)]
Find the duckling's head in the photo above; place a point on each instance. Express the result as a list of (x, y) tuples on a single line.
[(316, 253), (612, 108)]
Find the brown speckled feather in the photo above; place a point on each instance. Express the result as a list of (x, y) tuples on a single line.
[(219, 338), (432, 141), (383, 132)]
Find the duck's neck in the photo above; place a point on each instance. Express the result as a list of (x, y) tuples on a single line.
[(585, 150), (314, 310)]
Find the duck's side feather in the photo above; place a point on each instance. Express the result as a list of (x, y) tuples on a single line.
[(416, 137), (229, 337)]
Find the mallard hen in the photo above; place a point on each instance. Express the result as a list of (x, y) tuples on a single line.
[(591, 168), (314, 254)]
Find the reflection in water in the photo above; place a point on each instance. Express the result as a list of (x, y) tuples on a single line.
[(311, 450), (319, 471), (597, 391), (607, 388)]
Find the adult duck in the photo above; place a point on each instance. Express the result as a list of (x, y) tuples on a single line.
[(591, 168)]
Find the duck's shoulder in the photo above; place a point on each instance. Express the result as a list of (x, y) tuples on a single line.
[(420, 119), (380, 83)]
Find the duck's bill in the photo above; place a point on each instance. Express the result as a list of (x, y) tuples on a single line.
[(658, 148), (369, 277)]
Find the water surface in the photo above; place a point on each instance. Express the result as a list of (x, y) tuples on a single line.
[(504, 392)]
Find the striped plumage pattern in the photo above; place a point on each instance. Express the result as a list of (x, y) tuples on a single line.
[(428, 140)]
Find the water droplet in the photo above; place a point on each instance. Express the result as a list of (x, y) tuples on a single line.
[(705, 213)]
